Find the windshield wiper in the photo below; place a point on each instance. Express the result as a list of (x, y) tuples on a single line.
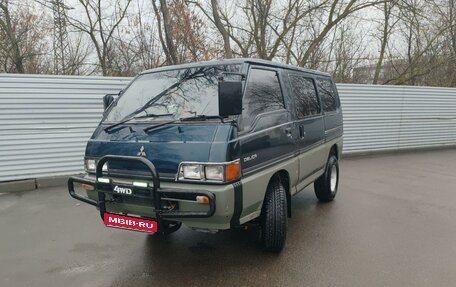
[(201, 118), (159, 125), (188, 119), (135, 118), (204, 117), (194, 118)]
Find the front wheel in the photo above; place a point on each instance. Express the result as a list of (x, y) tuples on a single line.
[(326, 185), (168, 227), (274, 218)]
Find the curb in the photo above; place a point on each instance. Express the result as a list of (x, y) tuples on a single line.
[(32, 184)]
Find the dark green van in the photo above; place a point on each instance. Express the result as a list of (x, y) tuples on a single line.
[(214, 145)]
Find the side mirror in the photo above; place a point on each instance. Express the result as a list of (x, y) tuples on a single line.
[(230, 98), (107, 100)]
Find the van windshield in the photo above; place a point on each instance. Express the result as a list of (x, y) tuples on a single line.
[(175, 93)]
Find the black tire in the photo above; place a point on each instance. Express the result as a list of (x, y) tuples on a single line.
[(168, 227), (324, 190), (274, 218)]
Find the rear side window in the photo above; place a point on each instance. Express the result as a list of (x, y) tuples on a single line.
[(305, 96), (262, 94), (327, 95)]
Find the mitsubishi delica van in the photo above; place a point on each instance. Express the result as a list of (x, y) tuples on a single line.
[(214, 145)]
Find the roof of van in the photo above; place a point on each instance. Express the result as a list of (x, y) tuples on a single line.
[(234, 61)]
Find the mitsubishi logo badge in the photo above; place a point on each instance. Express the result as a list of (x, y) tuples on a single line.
[(142, 152)]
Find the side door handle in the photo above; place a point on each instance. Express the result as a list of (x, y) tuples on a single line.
[(302, 132)]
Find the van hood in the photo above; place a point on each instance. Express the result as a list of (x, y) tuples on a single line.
[(166, 146)]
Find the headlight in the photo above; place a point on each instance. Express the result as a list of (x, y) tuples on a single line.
[(193, 171), (211, 172), (214, 172), (91, 165)]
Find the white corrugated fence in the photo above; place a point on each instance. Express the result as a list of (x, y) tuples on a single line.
[(382, 118), (45, 121)]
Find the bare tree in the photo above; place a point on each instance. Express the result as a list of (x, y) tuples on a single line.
[(145, 42), (77, 56), (445, 10), (181, 31), (221, 28), (165, 31), (101, 27), (338, 12), (421, 56), (386, 30), (269, 28), (23, 42), (348, 52), (11, 42)]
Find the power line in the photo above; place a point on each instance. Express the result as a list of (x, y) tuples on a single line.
[(60, 44)]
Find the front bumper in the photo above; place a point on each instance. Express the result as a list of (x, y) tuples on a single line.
[(150, 196)]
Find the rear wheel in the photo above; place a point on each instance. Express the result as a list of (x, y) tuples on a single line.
[(326, 185), (274, 217)]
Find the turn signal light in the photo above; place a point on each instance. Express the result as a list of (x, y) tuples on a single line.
[(232, 171), (87, 187), (202, 199)]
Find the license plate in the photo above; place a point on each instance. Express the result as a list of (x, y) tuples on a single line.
[(130, 223)]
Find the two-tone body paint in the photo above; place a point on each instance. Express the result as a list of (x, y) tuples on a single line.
[(280, 142), (277, 142)]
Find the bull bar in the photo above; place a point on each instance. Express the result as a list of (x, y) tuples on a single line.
[(153, 193)]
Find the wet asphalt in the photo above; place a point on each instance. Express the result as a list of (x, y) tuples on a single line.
[(393, 223)]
